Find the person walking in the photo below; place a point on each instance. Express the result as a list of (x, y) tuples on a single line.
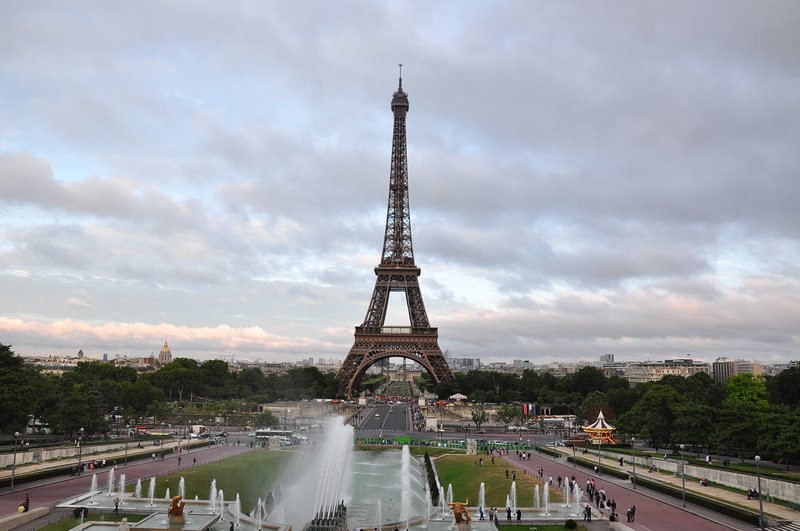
[(633, 513), (508, 514), (179, 460), (116, 505), (587, 513)]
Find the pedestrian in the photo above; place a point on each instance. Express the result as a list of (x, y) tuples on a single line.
[(154, 456), (179, 460), (620, 462), (116, 505), (559, 482), (480, 512), (27, 502), (587, 513), (633, 513), (508, 514), (230, 527), (506, 473), (194, 461), (519, 515), (513, 475), (628, 514)]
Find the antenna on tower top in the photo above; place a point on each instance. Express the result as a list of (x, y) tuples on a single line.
[(401, 75)]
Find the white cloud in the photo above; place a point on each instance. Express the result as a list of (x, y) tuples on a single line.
[(616, 178)]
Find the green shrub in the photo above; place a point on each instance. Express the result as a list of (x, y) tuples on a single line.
[(570, 524)]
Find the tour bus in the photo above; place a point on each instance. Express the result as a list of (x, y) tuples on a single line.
[(264, 434)]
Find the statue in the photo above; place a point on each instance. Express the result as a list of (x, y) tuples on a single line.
[(175, 511), (461, 513)]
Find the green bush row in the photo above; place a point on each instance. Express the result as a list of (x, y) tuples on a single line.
[(433, 488)]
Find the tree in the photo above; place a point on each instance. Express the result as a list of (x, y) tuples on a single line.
[(654, 416), (783, 387), (266, 419), (736, 431), (479, 416), (747, 389), (507, 413)]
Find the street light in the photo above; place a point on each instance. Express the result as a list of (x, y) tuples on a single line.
[(14, 464), (760, 501), (80, 450), (574, 463), (683, 479), (633, 449), (599, 463), (127, 440)]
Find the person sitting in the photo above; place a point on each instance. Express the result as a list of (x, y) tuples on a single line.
[(704, 482)]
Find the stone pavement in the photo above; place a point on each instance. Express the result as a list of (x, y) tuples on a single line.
[(52, 491), (772, 511)]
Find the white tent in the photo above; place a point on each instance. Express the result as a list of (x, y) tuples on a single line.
[(458, 397)]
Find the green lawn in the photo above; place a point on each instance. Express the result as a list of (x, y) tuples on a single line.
[(251, 475), (464, 473)]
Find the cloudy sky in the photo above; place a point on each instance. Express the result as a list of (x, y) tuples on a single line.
[(585, 177)]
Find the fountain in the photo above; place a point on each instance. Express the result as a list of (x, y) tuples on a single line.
[(565, 492), (221, 500), (167, 496), (212, 495), (380, 516), (93, 488), (405, 485), (237, 510), (137, 493), (513, 496), (111, 481), (321, 478), (482, 496), (450, 493), (182, 487), (122, 488), (151, 491), (577, 496), (546, 499), (536, 498)]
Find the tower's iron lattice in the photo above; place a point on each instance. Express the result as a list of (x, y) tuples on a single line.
[(397, 272)]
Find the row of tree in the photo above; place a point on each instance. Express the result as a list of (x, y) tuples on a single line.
[(746, 414), (96, 395)]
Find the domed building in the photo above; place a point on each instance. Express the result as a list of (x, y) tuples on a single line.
[(165, 356)]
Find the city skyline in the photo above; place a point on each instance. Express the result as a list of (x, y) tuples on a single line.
[(583, 179)]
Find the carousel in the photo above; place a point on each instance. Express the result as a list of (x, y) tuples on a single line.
[(600, 431)]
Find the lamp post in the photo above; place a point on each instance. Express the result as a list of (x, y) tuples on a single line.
[(683, 479), (574, 463), (760, 501), (127, 440), (633, 449), (599, 463), (14, 464), (80, 450)]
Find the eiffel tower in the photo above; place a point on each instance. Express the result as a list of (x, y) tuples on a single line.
[(397, 272)]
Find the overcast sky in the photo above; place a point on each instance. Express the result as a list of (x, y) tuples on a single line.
[(585, 177)]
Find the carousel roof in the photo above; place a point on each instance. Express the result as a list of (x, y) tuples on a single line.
[(599, 424)]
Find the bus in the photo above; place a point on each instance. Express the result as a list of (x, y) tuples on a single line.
[(264, 434)]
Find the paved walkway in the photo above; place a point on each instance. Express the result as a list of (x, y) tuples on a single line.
[(772, 511), (52, 491), (653, 513)]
